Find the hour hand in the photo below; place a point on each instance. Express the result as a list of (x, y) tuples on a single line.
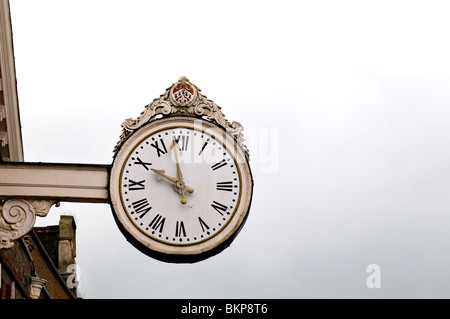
[(161, 172), (179, 185)]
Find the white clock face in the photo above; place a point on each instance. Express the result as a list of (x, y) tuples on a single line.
[(180, 185)]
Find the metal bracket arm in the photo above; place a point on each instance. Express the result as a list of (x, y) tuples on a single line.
[(63, 182), (28, 190)]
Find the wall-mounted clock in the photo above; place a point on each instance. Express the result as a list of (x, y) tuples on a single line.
[(180, 183)]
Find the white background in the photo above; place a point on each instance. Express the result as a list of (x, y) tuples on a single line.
[(345, 106)]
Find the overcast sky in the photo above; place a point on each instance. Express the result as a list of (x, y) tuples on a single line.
[(346, 113)]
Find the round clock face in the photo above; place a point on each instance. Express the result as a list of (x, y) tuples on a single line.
[(181, 187)]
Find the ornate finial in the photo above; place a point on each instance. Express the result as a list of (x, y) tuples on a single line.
[(182, 98)]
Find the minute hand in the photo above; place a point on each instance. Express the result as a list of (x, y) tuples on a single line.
[(181, 186), (175, 146)]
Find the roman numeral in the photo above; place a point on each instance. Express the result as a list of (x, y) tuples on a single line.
[(203, 225), (219, 165), (184, 141), (159, 150), (133, 186), (203, 148), (140, 162), (141, 207), (225, 186), (220, 208), (157, 222), (179, 229)]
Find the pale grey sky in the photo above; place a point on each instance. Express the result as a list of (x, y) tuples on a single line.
[(345, 108)]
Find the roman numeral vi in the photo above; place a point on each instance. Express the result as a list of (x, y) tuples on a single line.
[(179, 229)]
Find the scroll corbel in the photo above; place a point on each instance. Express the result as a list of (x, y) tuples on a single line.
[(17, 217)]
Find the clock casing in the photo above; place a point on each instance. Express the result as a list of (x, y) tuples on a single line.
[(148, 205)]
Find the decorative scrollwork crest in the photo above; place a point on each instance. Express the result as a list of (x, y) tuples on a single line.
[(182, 98), (17, 217)]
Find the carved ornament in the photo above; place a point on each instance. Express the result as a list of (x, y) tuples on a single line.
[(182, 98), (17, 217)]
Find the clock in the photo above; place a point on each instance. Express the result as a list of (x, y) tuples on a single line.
[(181, 186)]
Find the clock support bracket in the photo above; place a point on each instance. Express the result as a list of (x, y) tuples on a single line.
[(28, 190)]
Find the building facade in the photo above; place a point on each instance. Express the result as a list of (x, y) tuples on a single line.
[(45, 253), (40, 264), (11, 148)]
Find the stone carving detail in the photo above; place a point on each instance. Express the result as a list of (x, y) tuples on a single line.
[(182, 98), (3, 139), (36, 286), (17, 217)]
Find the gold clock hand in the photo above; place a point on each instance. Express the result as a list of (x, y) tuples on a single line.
[(189, 189), (175, 146), (183, 198), (161, 172), (181, 186)]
